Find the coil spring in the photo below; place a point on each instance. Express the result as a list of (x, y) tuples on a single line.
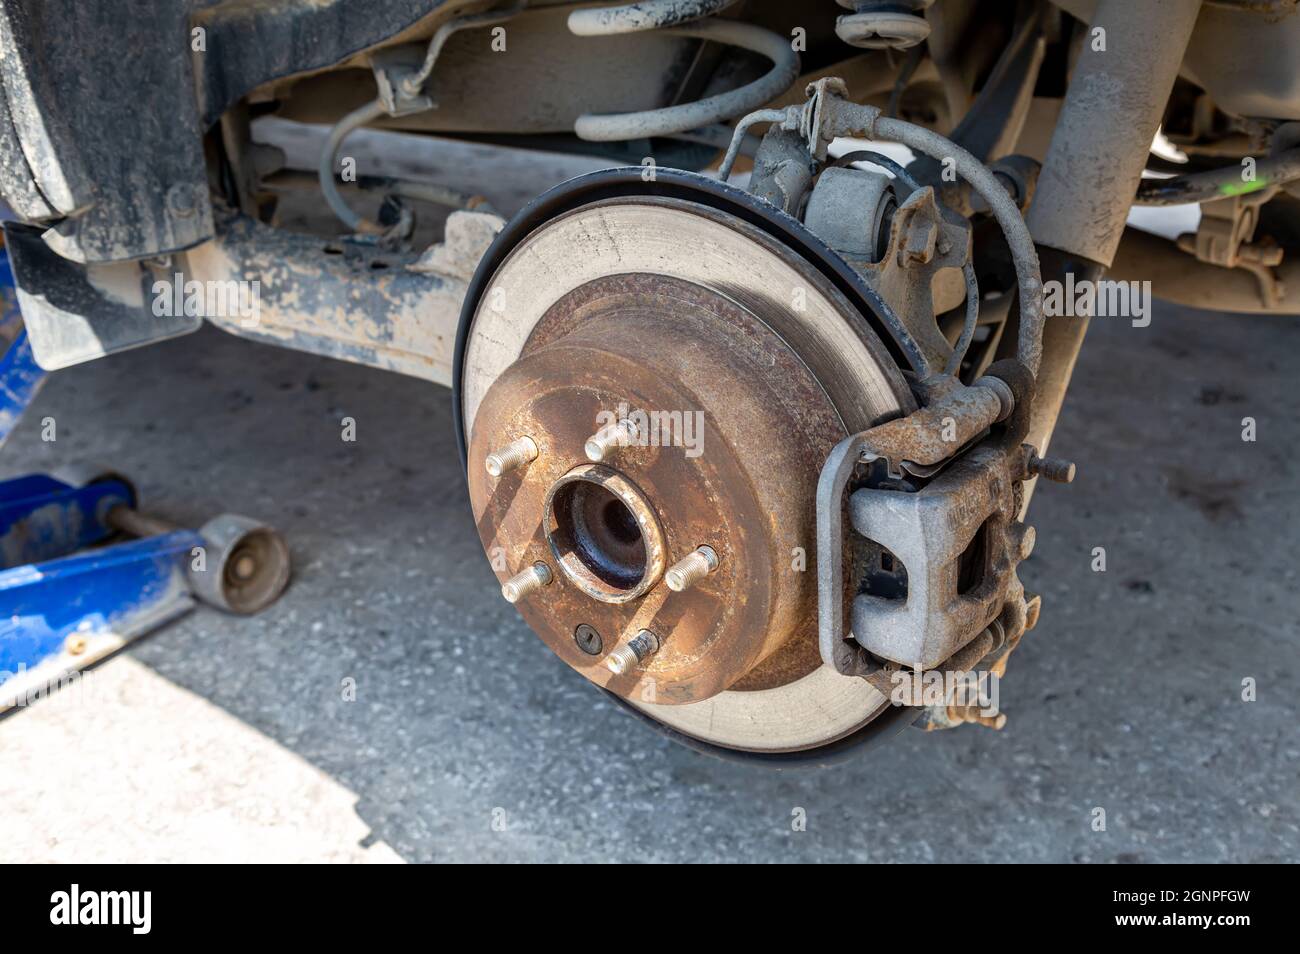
[(668, 16)]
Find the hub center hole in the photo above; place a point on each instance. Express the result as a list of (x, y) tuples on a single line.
[(603, 535), (620, 523), (601, 532)]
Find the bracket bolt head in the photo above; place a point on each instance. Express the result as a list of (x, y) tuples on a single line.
[(181, 200), (1006, 398)]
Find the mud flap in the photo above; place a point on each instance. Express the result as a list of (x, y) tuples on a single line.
[(76, 313)]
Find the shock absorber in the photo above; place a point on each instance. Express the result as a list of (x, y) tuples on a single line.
[(669, 15)]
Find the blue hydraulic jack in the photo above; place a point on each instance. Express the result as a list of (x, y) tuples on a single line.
[(62, 610)]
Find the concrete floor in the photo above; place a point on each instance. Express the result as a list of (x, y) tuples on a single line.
[(1127, 697), (225, 739)]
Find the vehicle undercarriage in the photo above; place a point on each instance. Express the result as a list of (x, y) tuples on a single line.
[(751, 413)]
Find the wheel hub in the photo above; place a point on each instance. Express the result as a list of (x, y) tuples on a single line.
[(727, 368), (730, 428)]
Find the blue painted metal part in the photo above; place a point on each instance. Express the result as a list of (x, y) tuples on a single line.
[(59, 613), (42, 518), (20, 376), (94, 602)]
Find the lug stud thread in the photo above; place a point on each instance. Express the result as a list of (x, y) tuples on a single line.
[(518, 453), (526, 582), (609, 439), (1052, 468), (692, 568), (632, 653)]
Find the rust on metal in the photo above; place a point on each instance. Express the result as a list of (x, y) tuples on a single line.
[(750, 425)]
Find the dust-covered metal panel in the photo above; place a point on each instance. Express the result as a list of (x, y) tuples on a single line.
[(101, 97)]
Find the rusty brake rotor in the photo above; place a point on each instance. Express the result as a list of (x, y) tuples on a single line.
[(657, 384)]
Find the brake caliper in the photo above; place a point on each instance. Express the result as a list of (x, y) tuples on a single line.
[(939, 492)]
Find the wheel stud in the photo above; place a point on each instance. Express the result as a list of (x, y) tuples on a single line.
[(518, 453), (692, 568), (609, 439), (635, 651), (526, 582)]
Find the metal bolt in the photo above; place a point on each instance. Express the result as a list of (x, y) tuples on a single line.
[(588, 639), (1052, 468), (527, 581), (692, 568), (1006, 398), (518, 453), (637, 649), (973, 714), (181, 200), (605, 441)]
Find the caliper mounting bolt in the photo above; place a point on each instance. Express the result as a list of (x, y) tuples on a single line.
[(518, 453), (635, 651), (1006, 398), (692, 568), (526, 582), (609, 439)]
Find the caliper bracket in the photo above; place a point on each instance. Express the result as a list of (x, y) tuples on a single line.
[(958, 536)]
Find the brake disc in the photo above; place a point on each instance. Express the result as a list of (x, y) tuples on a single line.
[(742, 362)]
